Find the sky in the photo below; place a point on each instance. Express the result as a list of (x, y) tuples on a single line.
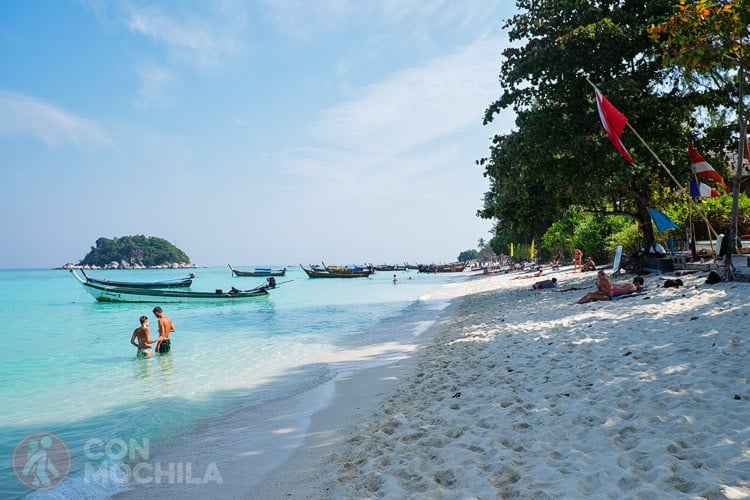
[(249, 132)]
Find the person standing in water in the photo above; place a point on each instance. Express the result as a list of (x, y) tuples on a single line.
[(164, 344), (143, 335)]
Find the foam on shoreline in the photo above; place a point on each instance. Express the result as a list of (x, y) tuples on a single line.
[(513, 392), (519, 393)]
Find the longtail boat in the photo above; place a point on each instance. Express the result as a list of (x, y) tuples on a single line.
[(259, 272), (332, 272), (175, 283), (104, 293), (456, 267)]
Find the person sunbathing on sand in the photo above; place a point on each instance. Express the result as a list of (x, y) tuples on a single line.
[(603, 290)]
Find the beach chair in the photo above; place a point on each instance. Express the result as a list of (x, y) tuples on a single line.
[(618, 259)]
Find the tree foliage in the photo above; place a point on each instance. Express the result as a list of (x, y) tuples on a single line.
[(559, 156), (468, 255), (141, 250), (710, 42)]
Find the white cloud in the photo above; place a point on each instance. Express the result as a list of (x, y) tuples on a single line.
[(22, 114), (416, 106), (202, 41)]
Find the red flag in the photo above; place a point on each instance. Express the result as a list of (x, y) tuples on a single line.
[(702, 168), (613, 122)]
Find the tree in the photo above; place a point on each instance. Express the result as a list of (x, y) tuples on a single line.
[(468, 255), (142, 250), (559, 155), (710, 41)]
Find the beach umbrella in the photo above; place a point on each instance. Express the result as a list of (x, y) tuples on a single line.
[(532, 251), (661, 220), (511, 250)]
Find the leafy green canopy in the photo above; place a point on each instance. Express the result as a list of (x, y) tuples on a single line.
[(559, 156), (142, 250)]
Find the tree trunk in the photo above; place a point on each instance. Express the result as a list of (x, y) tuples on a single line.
[(732, 243)]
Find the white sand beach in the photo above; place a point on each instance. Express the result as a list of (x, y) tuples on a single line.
[(644, 397), (516, 393)]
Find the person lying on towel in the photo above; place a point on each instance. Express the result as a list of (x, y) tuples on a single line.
[(605, 289), (550, 283)]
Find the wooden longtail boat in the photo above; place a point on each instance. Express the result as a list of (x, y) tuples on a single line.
[(329, 272), (457, 267), (261, 272), (175, 283), (157, 295)]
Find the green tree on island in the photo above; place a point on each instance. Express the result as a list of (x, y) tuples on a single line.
[(148, 251)]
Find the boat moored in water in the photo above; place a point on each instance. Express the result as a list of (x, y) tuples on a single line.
[(175, 283), (259, 272), (336, 272), (104, 293)]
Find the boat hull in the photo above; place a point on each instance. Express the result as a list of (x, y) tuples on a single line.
[(258, 273), (328, 273), (178, 283), (151, 295)]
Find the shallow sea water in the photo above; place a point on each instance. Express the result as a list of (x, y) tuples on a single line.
[(68, 368)]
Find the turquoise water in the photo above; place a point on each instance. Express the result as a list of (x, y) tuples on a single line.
[(68, 368)]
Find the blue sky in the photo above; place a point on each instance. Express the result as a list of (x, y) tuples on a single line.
[(250, 133)]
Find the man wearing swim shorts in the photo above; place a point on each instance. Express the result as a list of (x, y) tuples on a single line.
[(164, 345), (143, 335)]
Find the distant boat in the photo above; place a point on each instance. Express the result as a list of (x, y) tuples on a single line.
[(259, 272), (104, 293), (456, 267), (336, 272), (175, 283), (390, 267)]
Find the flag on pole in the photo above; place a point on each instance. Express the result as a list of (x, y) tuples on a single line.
[(703, 190), (702, 168), (613, 122)]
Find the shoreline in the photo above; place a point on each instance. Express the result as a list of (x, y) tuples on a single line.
[(256, 444), (515, 392)]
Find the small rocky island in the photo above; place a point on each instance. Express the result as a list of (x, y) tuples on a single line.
[(133, 252)]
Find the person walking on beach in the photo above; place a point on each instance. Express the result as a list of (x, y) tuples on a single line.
[(164, 345), (395, 279), (143, 335), (577, 257)]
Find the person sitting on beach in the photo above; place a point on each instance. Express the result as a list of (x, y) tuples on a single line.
[(550, 283), (603, 290), (589, 265), (143, 335), (657, 250)]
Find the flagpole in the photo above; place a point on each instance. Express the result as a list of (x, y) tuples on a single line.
[(708, 225)]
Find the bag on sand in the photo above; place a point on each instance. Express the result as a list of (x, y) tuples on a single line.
[(713, 278)]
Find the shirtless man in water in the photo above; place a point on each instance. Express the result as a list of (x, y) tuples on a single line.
[(143, 335), (166, 327)]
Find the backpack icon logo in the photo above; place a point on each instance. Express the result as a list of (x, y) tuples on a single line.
[(41, 460)]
